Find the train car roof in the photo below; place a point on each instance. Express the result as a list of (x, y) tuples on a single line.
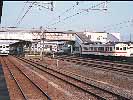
[(121, 42), (108, 43)]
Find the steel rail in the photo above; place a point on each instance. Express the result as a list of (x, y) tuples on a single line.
[(75, 78), (44, 93)]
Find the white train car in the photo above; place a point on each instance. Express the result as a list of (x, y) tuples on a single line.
[(4, 49), (109, 49)]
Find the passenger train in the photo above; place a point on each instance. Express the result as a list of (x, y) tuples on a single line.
[(110, 49), (4, 49)]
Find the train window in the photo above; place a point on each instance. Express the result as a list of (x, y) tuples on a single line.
[(107, 49), (85, 48), (95, 48), (89, 36), (4, 47), (35, 45), (91, 48), (0, 46), (111, 49), (98, 38), (46, 46), (101, 48), (120, 48), (124, 48), (117, 48), (7, 46)]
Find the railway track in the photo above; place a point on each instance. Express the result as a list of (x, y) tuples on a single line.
[(27, 87), (105, 62), (122, 68), (81, 82)]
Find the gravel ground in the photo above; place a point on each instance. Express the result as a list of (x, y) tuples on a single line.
[(58, 89), (116, 80), (14, 92), (30, 90)]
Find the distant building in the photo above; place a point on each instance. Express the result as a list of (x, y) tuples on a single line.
[(103, 36), (84, 38), (54, 39)]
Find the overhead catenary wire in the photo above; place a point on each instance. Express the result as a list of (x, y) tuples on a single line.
[(21, 11), (76, 14), (93, 6), (118, 25), (66, 11), (35, 3), (40, 5), (25, 13), (32, 4)]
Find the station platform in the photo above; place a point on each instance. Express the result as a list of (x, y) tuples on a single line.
[(4, 94)]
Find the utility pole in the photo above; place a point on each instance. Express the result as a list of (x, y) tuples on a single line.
[(130, 37), (42, 37), (43, 46), (40, 43)]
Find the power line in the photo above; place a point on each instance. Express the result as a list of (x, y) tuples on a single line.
[(26, 13), (75, 14), (110, 27), (92, 8), (21, 11), (34, 3), (66, 11), (40, 5)]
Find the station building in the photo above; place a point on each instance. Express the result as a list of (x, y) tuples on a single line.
[(55, 41)]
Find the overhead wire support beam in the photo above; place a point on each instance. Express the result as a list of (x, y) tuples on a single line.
[(62, 14), (102, 8), (26, 13), (43, 5), (92, 7), (34, 3)]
